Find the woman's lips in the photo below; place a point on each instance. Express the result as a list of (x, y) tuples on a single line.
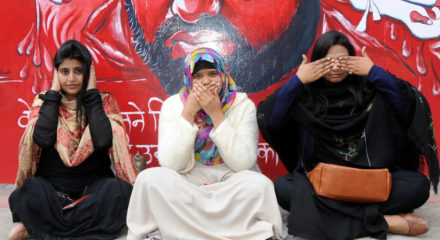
[(336, 75), (72, 86), (183, 43)]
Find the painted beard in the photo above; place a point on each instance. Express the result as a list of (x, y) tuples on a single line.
[(251, 71)]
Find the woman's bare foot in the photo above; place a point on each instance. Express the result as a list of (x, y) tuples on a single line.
[(396, 224), (18, 232), (406, 224)]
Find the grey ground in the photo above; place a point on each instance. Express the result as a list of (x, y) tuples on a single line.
[(430, 212)]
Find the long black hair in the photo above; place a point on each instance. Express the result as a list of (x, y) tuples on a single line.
[(356, 85), (72, 49)]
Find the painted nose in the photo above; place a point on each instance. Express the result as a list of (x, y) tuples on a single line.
[(190, 10)]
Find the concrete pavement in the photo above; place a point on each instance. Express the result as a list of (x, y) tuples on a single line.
[(430, 212)]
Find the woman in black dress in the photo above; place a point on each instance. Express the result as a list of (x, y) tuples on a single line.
[(342, 109), (65, 187)]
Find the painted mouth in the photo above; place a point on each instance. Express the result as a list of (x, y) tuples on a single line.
[(433, 13), (183, 43)]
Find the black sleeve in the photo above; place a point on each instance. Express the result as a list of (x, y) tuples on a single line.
[(100, 127), (284, 138), (45, 131)]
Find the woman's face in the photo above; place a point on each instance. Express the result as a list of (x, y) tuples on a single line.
[(207, 77), (336, 74), (70, 75)]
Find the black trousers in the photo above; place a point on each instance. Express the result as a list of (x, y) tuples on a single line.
[(409, 191), (101, 216), (314, 217)]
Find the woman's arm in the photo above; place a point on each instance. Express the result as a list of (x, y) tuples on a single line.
[(176, 136), (45, 131), (276, 137), (99, 124), (284, 99), (386, 83), (308, 72), (383, 81), (237, 136)]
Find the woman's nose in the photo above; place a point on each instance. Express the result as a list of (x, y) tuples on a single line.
[(190, 10), (205, 81), (71, 76)]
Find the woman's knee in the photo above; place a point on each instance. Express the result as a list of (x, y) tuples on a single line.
[(283, 190), (410, 190), (283, 183), (255, 182), (153, 174), (413, 184), (422, 188)]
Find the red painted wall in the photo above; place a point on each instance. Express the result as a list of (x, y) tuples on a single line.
[(138, 50)]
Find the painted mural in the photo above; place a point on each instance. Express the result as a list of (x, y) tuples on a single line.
[(138, 48)]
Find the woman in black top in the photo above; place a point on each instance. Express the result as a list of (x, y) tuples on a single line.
[(65, 187)]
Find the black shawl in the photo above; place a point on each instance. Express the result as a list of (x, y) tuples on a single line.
[(376, 136)]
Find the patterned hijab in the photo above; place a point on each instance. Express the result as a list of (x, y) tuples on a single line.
[(205, 150)]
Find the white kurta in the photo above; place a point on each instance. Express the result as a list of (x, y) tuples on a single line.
[(187, 200)]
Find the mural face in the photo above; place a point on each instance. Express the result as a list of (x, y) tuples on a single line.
[(422, 17), (250, 34), (138, 48)]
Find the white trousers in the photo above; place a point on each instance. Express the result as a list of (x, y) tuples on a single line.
[(205, 203)]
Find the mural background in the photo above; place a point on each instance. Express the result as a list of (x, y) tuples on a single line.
[(138, 48)]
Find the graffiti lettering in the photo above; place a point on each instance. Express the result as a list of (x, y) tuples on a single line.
[(150, 151), (23, 120), (266, 152), (126, 117), (155, 113)]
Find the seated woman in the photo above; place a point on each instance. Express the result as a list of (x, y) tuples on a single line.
[(65, 187), (342, 109), (208, 138)]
